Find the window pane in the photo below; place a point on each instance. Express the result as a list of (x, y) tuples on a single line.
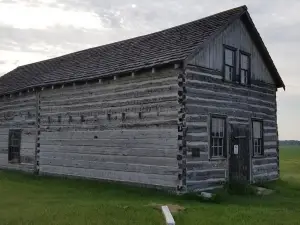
[(220, 151), (257, 129), (229, 57), (243, 75), (220, 142), (215, 152), (214, 126), (221, 126), (228, 73), (244, 62)]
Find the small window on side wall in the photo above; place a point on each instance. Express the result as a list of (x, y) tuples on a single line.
[(257, 136), (14, 146), (245, 73), (229, 63), (218, 137)]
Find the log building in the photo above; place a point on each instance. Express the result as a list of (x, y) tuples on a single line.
[(186, 109)]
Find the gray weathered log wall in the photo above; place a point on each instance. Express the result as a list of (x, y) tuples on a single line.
[(236, 35), (18, 112), (122, 129), (208, 94)]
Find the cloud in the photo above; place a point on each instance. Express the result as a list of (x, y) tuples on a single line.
[(27, 16)]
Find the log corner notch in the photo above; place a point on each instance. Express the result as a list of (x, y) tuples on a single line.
[(182, 129), (38, 132)]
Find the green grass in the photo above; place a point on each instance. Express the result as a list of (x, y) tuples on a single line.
[(26, 199)]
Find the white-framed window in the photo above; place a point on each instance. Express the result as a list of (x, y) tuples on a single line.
[(245, 65), (229, 63), (257, 136), (218, 136)]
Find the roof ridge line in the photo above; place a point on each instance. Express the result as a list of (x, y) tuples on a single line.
[(121, 41)]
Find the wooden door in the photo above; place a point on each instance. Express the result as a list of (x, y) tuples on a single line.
[(239, 161)]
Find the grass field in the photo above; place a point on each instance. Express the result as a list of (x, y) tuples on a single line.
[(25, 199)]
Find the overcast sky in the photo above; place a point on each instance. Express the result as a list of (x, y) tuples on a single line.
[(33, 30)]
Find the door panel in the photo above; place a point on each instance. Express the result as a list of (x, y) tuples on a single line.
[(239, 161)]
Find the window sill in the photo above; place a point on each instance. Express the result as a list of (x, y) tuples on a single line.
[(14, 162), (217, 159), (258, 156)]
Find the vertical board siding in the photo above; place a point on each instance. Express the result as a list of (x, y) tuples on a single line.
[(236, 35), (18, 112), (209, 95), (122, 130)]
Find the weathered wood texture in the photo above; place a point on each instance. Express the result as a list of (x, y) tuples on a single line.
[(18, 112), (122, 130), (236, 35), (207, 95)]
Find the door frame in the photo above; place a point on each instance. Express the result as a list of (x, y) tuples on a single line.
[(249, 144)]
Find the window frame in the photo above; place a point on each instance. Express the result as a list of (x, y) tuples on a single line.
[(254, 154), (11, 153), (234, 50), (225, 148), (248, 70)]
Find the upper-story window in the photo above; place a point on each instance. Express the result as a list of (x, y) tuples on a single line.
[(244, 68), (229, 63)]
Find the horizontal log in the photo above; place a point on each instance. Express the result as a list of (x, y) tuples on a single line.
[(27, 145), (196, 118), (196, 144), (147, 107), (264, 160), (229, 104), (116, 134), (17, 106), (17, 123), (164, 124), (138, 168), (204, 156), (114, 121), (264, 177), (126, 142), (197, 137), (228, 96), (25, 131), (111, 104), (172, 161), (140, 81), (153, 179), (15, 112), (27, 151), (195, 186), (199, 175), (18, 99), (4, 144), (270, 138), (159, 151), (111, 96), (29, 168), (265, 168), (196, 108), (256, 96), (3, 150), (28, 159), (200, 165), (270, 152), (233, 86)]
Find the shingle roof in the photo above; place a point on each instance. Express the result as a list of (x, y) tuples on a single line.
[(171, 45)]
